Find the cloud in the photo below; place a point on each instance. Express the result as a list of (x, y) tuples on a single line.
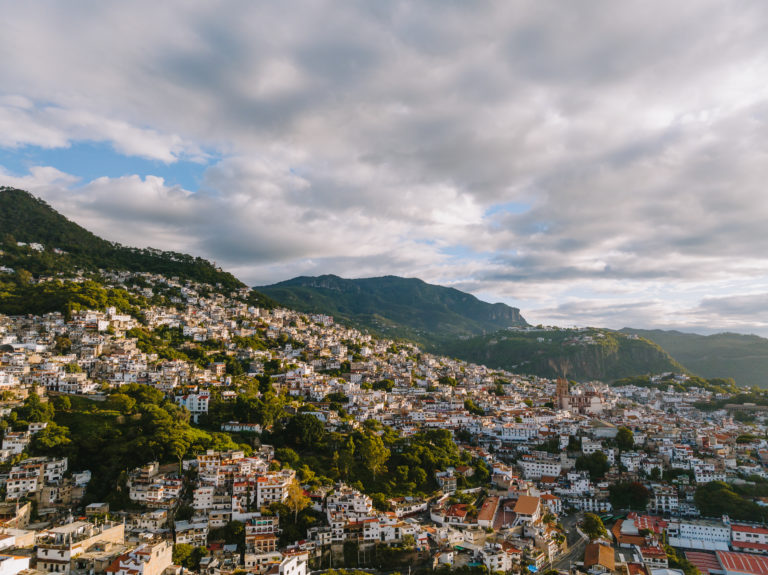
[(390, 139)]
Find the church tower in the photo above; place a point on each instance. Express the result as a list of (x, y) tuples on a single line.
[(563, 394)]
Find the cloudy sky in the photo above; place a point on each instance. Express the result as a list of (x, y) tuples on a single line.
[(593, 163)]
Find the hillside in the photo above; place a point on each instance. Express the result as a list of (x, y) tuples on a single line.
[(396, 307), (64, 249), (742, 357), (27, 219), (581, 354)]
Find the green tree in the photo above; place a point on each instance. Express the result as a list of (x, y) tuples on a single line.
[(62, 345), (120, 402), (718, 498), (53, 440), (373, 453), (34, 410), (182, 553), (596, 464), (305, 431), (62, 403), (629, 495), (472, 407), (625, 439), (574, 443), (296, 500), (593, 527)]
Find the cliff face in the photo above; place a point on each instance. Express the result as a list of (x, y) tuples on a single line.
[(596, 354)]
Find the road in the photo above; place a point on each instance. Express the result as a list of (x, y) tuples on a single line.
[(576, 544)]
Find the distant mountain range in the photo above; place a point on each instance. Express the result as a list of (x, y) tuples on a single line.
[(396, 307), (580, 354), (742, 357), (444, 320), (451, 322)]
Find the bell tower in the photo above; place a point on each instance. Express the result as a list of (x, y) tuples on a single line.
[(563, 394)]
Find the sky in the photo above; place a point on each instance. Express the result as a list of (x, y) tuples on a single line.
[(595, 163)]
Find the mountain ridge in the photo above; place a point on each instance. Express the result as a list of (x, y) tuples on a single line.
[(582, 353), (727, 354), (27, 219), (396, 306)]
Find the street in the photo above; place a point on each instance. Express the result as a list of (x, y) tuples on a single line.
[(576, 543)]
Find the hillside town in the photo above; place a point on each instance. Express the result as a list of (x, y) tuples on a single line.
[(541, 474)]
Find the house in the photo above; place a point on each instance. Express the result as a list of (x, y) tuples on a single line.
[(599, 558), (146, 559), (528, 509)]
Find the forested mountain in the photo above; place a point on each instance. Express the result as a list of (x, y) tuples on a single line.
[(742, 357), (38, 242), (580, 354), (27, 219), (396, 307)]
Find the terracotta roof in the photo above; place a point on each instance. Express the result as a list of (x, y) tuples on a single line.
[(705, 561), (596, 554), (749, 529), (488, 510), (526, 505), (743, 562), (749, 545)]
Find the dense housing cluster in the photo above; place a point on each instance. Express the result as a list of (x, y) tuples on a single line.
[(204, 432)]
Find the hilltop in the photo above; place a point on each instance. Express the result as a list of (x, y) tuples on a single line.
[(398, 307), (67, 246), (742, 357), (37, 242)]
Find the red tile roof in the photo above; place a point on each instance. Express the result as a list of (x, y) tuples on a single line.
[(743, 562)]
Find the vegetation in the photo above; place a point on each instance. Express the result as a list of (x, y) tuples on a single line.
[(722, 355), (396, 307), (756, 397), (18, 295), (69, 249), (596, 464), (625, 439), (581, 354), (629, 495), (718, 498), (678, 562), (593, 527), (131, 428)]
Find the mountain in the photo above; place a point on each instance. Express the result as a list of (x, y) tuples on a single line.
[(25, 218), (580, 354), (396, 307), (36, 241), (742, 357)]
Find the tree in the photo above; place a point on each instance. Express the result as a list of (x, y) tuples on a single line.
[(593, 526), (384, 385), (629, 495), (472, 407), (596, 464), (373, 453), (717, 498), (305, 431), (62, 403), (625, 439), (181, 553), (34, 410), (296, 500), (120, 402), (52, 440), (574, 443), (62, 345)]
